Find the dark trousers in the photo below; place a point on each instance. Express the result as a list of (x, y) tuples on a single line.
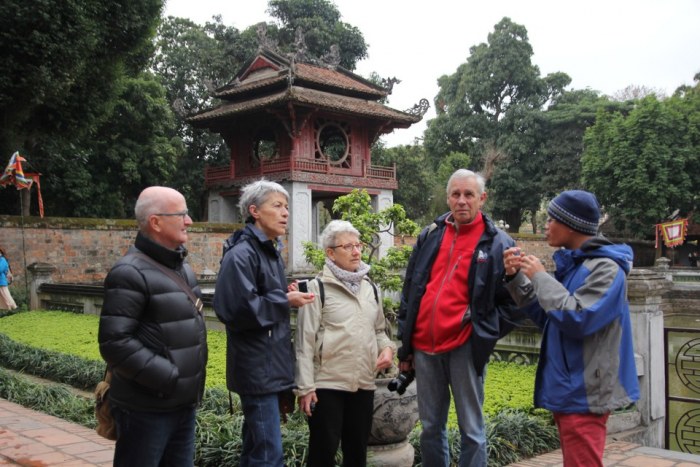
[(344, 418), (152, 439)]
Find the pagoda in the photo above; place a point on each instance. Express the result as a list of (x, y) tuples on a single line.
[(309, 126)]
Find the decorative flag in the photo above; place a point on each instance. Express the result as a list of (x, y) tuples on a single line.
[(672, 232), (14, 175)]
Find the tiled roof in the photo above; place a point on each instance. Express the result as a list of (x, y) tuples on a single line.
[(308, 98), (313, 76), (328, 77)]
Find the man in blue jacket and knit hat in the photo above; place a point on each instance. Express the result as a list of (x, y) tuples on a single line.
[(586, 367)]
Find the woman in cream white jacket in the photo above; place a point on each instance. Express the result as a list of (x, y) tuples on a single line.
[(340, 345)]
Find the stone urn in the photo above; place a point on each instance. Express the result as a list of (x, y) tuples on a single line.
[(394, 417)]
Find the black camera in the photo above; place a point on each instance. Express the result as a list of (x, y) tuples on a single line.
[(401, 382)]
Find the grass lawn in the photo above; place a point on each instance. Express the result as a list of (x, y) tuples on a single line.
[(507, 385)]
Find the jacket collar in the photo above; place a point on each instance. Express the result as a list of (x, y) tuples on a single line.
[(171, 258)]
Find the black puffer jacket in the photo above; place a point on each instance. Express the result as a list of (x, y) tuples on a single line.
[(151, 335), (251, 299), (493, 311)]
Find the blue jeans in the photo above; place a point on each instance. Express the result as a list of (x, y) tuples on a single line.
[(261, 432), (152, 439), (435, 376)]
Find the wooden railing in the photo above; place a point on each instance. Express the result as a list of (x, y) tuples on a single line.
[(215, 175)]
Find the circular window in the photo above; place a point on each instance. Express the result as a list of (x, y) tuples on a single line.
[(264, 145), (332, 142)]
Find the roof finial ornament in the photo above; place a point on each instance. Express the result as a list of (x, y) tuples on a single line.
[(264, 42), (388, 83), (419, 109), (332, 58), (299, 52)]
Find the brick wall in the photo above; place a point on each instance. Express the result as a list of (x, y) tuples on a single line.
[(83, 250)]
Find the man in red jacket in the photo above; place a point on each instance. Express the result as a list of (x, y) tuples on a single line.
[(453, 310)]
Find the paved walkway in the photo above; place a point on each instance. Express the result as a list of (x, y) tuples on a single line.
[(32, 439)]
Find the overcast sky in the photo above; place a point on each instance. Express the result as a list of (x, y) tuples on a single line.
[(605, 45)]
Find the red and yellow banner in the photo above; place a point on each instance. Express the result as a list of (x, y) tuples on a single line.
[(673, 232)]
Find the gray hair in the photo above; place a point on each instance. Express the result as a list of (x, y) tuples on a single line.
[(256, 193), (335, 228), (464, 173)]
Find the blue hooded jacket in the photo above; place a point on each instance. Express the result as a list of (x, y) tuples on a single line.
[(586, 356)]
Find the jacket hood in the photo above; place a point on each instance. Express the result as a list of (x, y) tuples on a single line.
[(598, 247)]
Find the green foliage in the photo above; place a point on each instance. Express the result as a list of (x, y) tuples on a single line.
[(642, 165), (191, 61), (490, 109), (48, 330), (54, 400), (320, 21), (509, 386), (512, 435), (57, 366), (62, 73)]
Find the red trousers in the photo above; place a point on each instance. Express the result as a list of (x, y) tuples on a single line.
[(582, 438)]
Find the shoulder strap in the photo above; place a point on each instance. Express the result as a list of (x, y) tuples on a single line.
[(177, 278), (322, 294)]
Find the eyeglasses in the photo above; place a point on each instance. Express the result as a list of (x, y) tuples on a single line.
[(182, 214), (349, 247)]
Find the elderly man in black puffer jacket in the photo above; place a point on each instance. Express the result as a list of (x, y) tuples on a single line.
[(153, 338)]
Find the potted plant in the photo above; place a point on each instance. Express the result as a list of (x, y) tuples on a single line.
[(395, 414)]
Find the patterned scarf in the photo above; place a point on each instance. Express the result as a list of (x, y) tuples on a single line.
[(351, 279)]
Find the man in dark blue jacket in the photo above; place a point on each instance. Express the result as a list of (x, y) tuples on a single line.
[(153, 338), (453, 310), (252, 299)]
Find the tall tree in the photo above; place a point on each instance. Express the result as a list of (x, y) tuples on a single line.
[(644, 165), (191, 61), (320, 22), (490, 109), (60, 69), (62, 73), (134, 146)]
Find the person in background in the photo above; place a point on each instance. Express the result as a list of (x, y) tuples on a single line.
[(6, 300), (340, 345), (251, 298), (693, 259), (453, 309), (153, 338), (586, 367)]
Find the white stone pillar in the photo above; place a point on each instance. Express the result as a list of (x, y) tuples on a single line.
[(646, 290), (300, 229)]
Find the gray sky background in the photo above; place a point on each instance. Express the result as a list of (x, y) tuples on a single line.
[(605, 45)]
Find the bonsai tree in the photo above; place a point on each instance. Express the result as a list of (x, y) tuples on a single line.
[(386, 272)]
